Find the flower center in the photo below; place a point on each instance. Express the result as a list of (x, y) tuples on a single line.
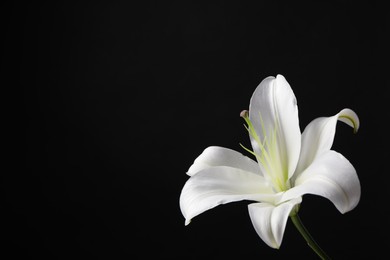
[(268, 154)]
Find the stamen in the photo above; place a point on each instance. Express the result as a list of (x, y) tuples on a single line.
[(249, 150), (269, 157)]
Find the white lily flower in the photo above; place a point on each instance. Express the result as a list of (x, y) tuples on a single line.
[(289, 165)]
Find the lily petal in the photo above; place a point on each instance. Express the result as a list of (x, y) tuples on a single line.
[(219, 185), (270, 221), (318, 136), (331, 176), (219, 156), (273, 109)]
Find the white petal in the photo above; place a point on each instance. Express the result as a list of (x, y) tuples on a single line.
[(219, 156), (318, 136), (270, 221), (219, 185), (331, 176), (273, 106)]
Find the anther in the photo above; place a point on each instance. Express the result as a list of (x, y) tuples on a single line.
[(244, 114)]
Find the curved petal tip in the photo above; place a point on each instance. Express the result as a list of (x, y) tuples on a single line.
[(349, 117)]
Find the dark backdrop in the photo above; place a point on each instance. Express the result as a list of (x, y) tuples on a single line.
[(115, 100)]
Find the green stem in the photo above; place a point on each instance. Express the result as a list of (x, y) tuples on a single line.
[(309, 239)]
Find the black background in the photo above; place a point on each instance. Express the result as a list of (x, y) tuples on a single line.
[(115, 100)]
